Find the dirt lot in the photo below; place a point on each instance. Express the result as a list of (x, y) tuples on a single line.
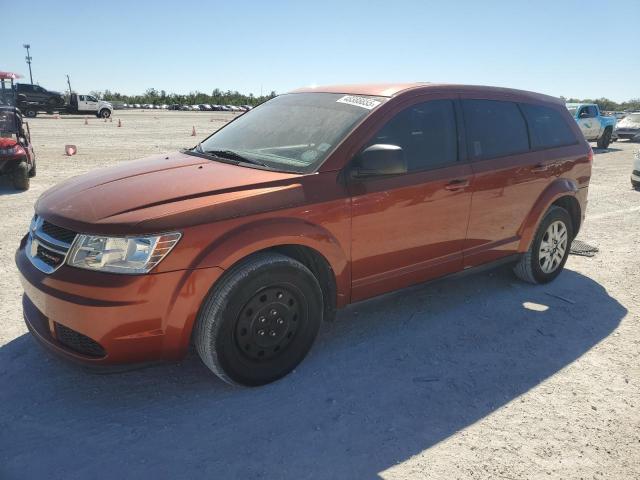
[(479, 377)]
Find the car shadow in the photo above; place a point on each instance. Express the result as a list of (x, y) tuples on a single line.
[(599, 151), (390, 378), (6, 186)]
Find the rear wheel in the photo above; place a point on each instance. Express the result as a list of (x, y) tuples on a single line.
[(605, 139), (30, 112), (549, 249), (260, 320), (21, 179)]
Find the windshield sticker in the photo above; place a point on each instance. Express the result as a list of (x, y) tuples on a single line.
[(363, 102)]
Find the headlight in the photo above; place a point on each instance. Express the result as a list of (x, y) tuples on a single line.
[(132, 255)]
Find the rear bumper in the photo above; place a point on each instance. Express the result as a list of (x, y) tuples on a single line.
[(97, 318)]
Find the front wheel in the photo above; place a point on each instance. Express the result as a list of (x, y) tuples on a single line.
[(260, 320), (549, 249), (30, 112), (104, 113), (605, 139)]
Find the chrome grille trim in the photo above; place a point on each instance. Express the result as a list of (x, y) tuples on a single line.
[(39, 239)]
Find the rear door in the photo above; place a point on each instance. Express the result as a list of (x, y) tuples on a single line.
[(411, 227), (508, 177), (517, 150)]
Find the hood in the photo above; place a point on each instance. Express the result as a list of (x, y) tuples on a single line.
[(162, 193), (630, 121)]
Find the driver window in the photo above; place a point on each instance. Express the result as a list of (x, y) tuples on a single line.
[(91, 99), (426, 132)]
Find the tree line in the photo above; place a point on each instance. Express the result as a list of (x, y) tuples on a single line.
[(609, 105), (229, 97), (161, 97)]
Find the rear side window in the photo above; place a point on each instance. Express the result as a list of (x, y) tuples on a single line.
[(494, 129), (547, 127), (426, 132)]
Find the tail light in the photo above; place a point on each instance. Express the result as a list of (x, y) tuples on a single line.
[(13, 150), (590, 156)]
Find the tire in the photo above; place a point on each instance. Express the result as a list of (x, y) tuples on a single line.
[(260, 320), (531, 267), (635, 185), (605, 139), (32, 172), (21, 179), (104, 113), (55, 102), (30, 113)]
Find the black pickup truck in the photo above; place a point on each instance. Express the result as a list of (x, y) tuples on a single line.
[(36, 95)]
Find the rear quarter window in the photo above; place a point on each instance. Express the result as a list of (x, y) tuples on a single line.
[(494, 128), (547, 127)]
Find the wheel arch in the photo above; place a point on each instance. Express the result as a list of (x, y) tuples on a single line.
[(562, 192), (312, 245)]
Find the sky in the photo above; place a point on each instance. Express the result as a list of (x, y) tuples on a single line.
[(562, 47)]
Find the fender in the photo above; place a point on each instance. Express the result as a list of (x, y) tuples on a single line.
[(560, 187), (262, 234)]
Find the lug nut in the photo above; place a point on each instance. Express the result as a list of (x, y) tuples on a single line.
[(272, 333), (273, 312), (280, 321), (261, 333), (262, 319), (280, 295)]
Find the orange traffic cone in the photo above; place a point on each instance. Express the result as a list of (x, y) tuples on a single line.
[(86, 121), (105, 120), (110, 119), (70, 150), (119, 123), (193, 131)]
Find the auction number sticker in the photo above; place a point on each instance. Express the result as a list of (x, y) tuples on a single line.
[(363, 102)]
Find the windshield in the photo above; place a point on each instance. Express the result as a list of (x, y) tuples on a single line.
[(293, 132)]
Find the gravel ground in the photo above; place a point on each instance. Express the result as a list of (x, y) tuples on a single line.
[(477, 377)]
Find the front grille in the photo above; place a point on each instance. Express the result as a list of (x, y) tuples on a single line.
[(51, 258), (78, 342), (59, 233), (48, 245)]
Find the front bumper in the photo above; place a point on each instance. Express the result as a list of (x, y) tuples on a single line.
[(628, 133), (130, 318)]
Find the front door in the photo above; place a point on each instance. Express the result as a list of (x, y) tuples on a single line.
[(588, 122), (411, 227)]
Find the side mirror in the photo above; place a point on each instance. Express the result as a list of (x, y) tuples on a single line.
[(379, 160)]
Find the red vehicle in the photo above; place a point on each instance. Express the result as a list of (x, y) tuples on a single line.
[(311, 201), (17, 158)]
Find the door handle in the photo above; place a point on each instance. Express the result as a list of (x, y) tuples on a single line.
[(457, 184)]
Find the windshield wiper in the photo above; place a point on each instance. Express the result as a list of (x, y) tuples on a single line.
[(231, 155)]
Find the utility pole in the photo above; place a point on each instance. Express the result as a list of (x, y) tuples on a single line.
[(69, 83), (28, 58)]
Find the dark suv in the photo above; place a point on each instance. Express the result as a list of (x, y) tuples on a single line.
[(39, 95)]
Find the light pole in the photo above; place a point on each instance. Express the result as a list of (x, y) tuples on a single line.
[(28, 58)]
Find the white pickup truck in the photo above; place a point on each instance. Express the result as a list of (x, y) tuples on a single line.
[(77, 104)]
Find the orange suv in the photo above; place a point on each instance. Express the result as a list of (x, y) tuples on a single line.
[(315, 199)]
